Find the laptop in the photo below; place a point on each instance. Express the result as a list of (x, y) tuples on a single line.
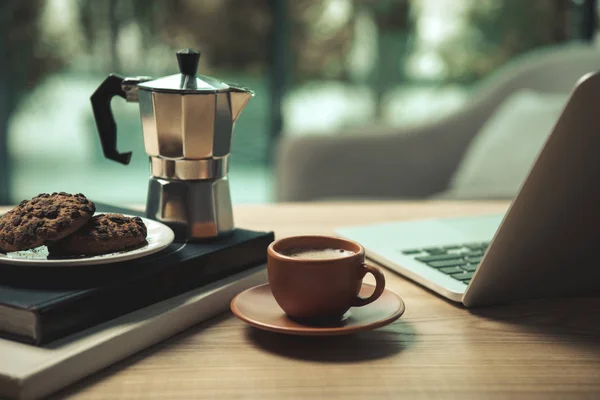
[(547, 244)]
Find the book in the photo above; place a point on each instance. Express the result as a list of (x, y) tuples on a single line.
[(31, 372), (41, 304)]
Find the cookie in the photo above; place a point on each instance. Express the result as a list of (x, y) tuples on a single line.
[(44, 218), (104, 233)]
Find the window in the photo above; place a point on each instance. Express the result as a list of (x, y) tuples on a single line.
[(316, 66)]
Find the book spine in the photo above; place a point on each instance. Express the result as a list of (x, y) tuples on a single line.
[(96, 306)]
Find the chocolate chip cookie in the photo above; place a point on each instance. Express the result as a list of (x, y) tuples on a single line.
[(44, 218), (104, 233)]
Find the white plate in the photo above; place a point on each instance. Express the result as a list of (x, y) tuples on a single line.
[(159, 236)]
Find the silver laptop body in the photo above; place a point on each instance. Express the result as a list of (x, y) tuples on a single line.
[(546, 245)]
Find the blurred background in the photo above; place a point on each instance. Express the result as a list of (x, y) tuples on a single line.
[(321, 69)]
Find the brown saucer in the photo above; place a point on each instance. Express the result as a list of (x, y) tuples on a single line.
[(257, 307)]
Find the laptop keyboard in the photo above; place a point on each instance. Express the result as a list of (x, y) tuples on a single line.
[(458, 261)]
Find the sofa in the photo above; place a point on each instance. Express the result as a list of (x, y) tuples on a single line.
[(465, 155)]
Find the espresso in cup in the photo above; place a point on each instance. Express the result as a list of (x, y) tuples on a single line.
[(317, 254), (319, 277)]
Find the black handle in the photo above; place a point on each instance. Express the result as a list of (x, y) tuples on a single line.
[(105, 122)]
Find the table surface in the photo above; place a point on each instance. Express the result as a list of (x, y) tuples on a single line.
[(540, 349)]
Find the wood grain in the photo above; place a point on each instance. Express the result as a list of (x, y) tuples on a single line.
[(535, 350)]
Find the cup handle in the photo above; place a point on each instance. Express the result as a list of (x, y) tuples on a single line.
[(379, 286)]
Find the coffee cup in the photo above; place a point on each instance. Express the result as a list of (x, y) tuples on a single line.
[(319, 277)]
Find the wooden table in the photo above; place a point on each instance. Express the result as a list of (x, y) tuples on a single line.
[(548, 349)]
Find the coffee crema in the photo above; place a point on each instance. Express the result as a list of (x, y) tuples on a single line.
[(317, 254)]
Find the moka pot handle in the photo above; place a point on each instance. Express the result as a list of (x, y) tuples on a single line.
[(105, 121)]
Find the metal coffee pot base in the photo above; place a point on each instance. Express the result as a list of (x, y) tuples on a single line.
[(194, 209)]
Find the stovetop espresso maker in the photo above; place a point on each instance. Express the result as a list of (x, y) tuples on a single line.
[(187, 123)]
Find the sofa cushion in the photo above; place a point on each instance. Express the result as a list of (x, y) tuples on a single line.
[(502, 153)]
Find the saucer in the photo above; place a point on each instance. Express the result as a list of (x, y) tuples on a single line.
[(257, 307)]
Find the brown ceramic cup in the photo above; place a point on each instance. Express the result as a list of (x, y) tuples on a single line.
[(323, 288)]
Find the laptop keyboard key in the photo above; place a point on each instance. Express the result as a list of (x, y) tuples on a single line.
[(470, 268), (473, 260), (463, 276), (474, 246), (440, 257), (452, 247), (450, 270), (435, 251), (473, 253), (412, 251), (447, 263), (431, 248)]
